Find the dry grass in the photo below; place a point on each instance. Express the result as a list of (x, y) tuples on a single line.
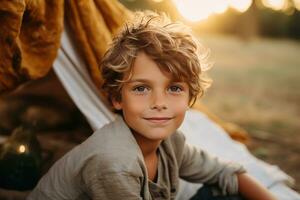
[(257, 85)]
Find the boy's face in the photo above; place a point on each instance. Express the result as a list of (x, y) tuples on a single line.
[(153, 104)]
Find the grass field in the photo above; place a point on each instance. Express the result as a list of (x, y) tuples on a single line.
[(257, 85)]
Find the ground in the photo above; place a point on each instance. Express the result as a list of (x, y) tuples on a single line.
[(257, 85)]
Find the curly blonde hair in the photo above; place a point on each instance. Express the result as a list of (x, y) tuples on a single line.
[(171, 45)]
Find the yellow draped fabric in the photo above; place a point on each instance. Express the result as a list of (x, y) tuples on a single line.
[(29, 39)]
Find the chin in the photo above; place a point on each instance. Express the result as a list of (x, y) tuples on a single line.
[(158, 134)]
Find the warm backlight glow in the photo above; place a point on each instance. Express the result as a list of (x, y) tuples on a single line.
[(240, 5), (22, 149), (194, 10), (219, 7), (297, 4), (197, 10), (275, 4)]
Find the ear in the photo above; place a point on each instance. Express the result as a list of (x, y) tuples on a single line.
[(117, 104)]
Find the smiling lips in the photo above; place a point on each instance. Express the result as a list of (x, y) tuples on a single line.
[(158, 120)]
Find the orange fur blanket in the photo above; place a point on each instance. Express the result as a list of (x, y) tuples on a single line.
[(29, 39)]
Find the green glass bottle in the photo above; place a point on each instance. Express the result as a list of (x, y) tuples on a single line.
[(20, 160)]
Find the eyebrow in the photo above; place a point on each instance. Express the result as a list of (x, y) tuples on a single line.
[(141, 80)]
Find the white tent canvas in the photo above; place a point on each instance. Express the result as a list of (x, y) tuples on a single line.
[(199, 130)]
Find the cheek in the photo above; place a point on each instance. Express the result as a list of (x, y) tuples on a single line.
[(180, 105), (180, 110), (133, 105)]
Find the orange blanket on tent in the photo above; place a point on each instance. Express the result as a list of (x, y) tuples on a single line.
[(29, 39)]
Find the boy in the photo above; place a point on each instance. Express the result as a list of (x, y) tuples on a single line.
[(151, 77)]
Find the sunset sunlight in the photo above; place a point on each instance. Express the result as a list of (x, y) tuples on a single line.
[(220, 7), (195, 10), (240, 5), (275, 4), (297, 4)]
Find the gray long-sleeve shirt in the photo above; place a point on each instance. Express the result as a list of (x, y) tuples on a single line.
[(110, 165)]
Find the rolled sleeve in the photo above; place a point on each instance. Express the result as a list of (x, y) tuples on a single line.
[(227, 178)]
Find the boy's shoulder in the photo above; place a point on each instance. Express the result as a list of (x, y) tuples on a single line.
[(174, 144), (105, 153), (113, 146), (176, 140), (111, 149)]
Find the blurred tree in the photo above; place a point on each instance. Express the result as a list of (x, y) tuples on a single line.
[(294, 25)]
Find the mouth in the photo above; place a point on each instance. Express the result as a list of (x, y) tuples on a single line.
[(158, 120)]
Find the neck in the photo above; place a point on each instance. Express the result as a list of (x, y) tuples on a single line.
[(149, 150)]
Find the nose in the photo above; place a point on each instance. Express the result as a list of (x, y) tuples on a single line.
[(159, 101)]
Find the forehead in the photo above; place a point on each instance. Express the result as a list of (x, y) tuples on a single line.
[(146, 68)]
